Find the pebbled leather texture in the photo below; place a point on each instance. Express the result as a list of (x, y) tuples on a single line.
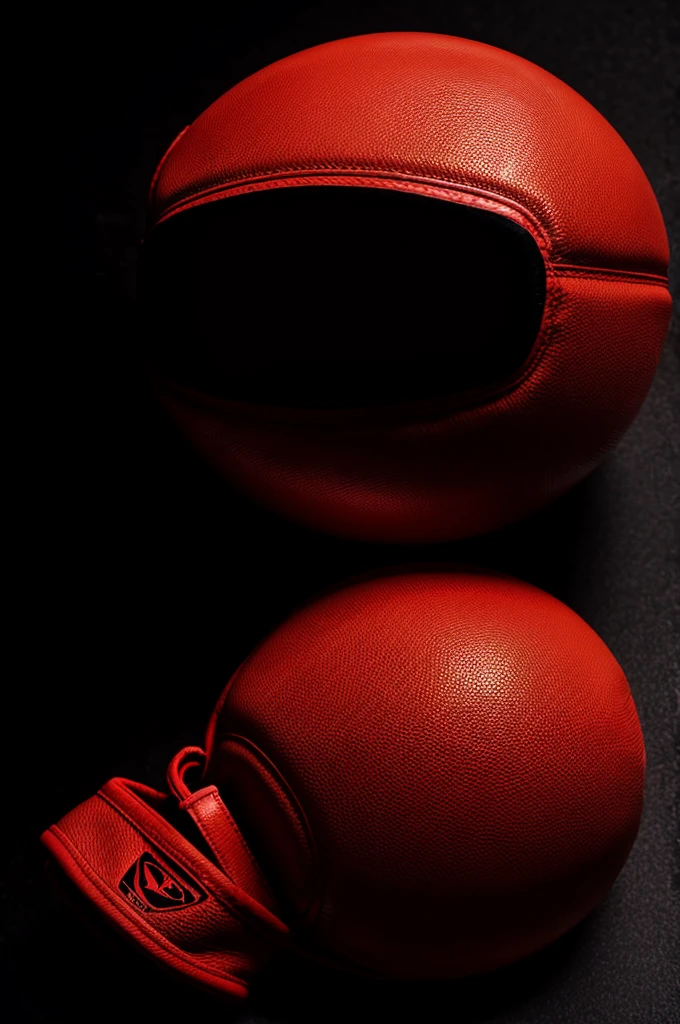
[(464, 122), (435, 107), (468, 759)]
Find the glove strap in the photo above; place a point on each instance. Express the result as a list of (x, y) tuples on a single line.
[(214, 927), (217, 827)]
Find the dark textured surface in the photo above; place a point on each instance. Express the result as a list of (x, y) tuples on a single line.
[(144, 581)]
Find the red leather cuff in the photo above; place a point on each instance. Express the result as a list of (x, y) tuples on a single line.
[(162, 892)]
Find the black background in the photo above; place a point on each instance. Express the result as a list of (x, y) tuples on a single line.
[(143, 581)]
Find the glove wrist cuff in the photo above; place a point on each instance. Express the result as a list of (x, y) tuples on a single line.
[(161, 891)]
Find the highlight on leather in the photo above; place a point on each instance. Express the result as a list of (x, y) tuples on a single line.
[(403, 286), (419, 775)]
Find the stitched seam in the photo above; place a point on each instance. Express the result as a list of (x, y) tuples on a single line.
[(600, 274), (371, 173), (415, 182), (552, 301), (104, 889), (350, 170), (339, 168)]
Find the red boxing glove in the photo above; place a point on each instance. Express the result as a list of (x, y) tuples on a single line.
[(423, 775), (403, 286)]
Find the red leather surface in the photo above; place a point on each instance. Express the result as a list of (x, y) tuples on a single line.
[(468, 123), (466, 754), (434, 107)]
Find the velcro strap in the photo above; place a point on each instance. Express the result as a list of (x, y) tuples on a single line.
[(164, 894)]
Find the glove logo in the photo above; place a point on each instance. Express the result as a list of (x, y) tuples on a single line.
[(153, 884)]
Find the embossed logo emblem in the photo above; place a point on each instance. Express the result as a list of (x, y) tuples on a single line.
[(154, 883)]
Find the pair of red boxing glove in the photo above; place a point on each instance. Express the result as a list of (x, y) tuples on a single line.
[(424, 774)]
